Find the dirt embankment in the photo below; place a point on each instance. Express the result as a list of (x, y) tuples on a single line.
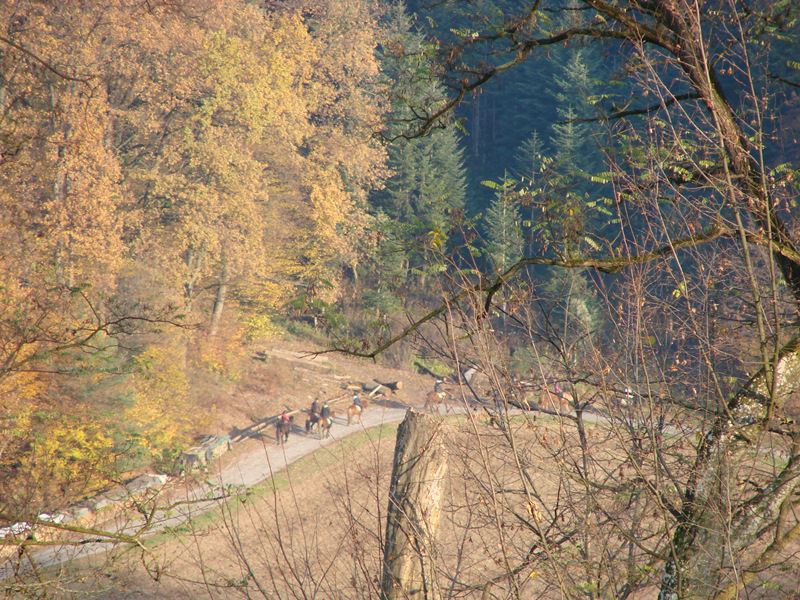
[(287, 375)]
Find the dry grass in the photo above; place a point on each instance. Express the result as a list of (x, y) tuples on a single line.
[(523, 508), (318, 530), (325, 508)]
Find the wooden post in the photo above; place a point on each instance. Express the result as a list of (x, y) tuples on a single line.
[(420, 464)]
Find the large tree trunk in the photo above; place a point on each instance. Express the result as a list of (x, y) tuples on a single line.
[(709, 530), (219, 301), (420, 463), (192, 268)]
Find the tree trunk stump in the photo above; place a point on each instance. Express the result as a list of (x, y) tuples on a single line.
[(420, 464)]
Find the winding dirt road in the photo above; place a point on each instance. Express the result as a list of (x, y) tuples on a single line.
[(264, 460)]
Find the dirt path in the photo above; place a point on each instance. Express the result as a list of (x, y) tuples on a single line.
[(262, 463), (259, 462), (283, 375)]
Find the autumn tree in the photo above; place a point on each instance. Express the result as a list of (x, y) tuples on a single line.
[(62, 209), (168, 170), (344, 159)]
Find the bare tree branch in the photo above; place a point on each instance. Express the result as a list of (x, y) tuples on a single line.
[(622, 113), (43, 62)]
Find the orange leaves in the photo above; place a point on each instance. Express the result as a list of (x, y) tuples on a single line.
[(208, 146), (229, 147), (219, 134), (83, 216), (63, 185)]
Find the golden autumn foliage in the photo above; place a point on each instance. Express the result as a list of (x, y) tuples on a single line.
[(69, 457), (345, 159), (62, 183), (159, 413), (18, 393), (164, 163), (49, 457)]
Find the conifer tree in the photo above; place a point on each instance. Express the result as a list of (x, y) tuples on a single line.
[(529, 158), (574, 309), (562, 200), (504, 233), (428, 184)]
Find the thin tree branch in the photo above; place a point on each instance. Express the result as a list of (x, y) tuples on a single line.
[(521, 53), (767, 558), (633, 111), (606, 265), (43, 62), (784, 80)]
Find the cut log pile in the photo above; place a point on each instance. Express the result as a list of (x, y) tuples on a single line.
[(375, 388)]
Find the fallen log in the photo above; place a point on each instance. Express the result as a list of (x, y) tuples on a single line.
[(395, 386), (373, 388)]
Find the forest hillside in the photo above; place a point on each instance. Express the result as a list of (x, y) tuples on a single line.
[(578, 211)]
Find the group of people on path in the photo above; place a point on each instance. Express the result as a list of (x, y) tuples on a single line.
[(316, 411), (317, 415)]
